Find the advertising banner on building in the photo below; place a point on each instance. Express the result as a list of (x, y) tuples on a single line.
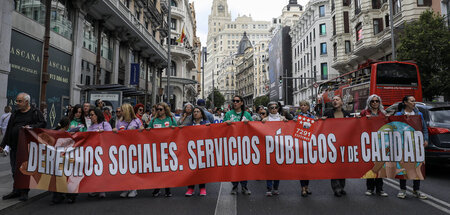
[(112, 99), (26, 71), (174, 157)]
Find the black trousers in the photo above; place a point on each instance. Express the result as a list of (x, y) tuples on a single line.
[(304, 183), (416, 184), (337, 184), (374, 183), (12, 161), (199, 186)]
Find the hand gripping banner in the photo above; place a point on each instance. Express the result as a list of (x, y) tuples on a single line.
[(174, 157)]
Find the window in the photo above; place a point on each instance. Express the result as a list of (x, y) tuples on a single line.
[(323, 29), (314, 52), (377, 26), (173, 69), (324, 71), (423, 2), (348, 47), (357, 7), (346, 3), (359, 33), (323, 48), (173, 24), (346, 23), (397, 6), (386, 18), (322, 11), (332, 5), (173, 3), (335, 49), (376, 4), (314, 33), (334, 25)]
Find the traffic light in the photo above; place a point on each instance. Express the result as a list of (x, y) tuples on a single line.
[(281, 79)]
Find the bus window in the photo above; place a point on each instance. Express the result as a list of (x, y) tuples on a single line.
[(397, 74)]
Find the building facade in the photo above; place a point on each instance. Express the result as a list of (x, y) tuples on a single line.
[(245, 74), (184, 54), (261, 68), (224, 35), (362, 28), (311, 57), (93, 45)]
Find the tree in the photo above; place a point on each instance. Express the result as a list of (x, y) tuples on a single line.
[(427, 42), (262, 100), (219, 99)]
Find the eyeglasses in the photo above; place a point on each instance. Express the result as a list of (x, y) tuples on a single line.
[(375, 101), (263, 113), (140, 109), (159, 109), (236, 101), (118, 111), (273, 107)]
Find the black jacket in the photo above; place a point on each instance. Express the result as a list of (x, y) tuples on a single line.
[(330, 113), (37, 121)]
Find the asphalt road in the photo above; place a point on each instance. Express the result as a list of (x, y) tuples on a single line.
[(219, 201)]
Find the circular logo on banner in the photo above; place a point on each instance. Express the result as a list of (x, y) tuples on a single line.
[(166, 124)]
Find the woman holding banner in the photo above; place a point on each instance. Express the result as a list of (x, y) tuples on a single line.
[(99, 125), (238, 114), (128, 121), (337, 112), (273, 116), (408, 107), (304, 111), (199, 118), (163, 119), (374, 108), (77, 120)]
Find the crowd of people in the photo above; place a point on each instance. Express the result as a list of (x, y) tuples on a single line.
[(98, 118)]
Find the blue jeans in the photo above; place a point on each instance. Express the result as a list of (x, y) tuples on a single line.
[(275, 183)]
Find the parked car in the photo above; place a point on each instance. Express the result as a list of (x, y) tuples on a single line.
[(437, 118)]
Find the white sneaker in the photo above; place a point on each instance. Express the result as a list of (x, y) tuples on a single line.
[(124, 194), (132, 194), (102, 195), (369, 192), (401, 194), (383, 194), (419, 195)]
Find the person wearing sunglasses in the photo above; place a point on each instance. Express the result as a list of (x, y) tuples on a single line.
[(163, 119), (139, 110), (374, 108), (237, 114), (263, 113), (272, 185)]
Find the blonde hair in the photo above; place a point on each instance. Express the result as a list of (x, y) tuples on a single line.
[(127, 112), (304, 102), (166, 108)]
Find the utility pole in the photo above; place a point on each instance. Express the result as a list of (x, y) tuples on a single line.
[(391, 23), (45, 76), (204, 59), (169, 60)]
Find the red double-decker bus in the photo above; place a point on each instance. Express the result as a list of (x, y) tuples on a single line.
[(391, 80)]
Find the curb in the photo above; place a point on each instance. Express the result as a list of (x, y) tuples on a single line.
[(20, 204)]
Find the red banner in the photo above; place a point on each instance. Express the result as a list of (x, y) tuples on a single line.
[(174, 157)]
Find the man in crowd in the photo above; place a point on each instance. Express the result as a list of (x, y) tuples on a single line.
[(25, 116), (86, 107), (201, 103)]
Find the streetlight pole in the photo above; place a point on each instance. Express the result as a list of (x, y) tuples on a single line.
[(391, 23), (169, 60), (204, 59)]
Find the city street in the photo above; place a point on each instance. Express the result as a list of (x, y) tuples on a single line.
[(219, 201)]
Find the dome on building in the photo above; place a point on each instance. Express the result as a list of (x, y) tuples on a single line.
[(244, 44)]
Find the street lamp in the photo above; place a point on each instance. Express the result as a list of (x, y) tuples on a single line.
[(169, 60)]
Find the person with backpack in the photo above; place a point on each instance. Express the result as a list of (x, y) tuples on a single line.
[(163, 119), (237, 114)]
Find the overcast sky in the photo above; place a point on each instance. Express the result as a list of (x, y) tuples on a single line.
[(259, 10)]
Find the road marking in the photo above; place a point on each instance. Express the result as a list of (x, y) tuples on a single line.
[(226, 203), (395, 184)]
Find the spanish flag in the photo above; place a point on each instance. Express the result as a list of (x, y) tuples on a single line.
[(181, 39)]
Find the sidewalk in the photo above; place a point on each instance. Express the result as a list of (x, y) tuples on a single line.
[(6, 184)]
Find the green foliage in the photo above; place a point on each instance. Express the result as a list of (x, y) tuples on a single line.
[(427, 42), (262, 100), (219, 99)]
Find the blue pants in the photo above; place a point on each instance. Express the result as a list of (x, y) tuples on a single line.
[(275, 183)]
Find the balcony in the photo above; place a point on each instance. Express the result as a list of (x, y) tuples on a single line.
[(123, 19), (178, 12), (185, 53)]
